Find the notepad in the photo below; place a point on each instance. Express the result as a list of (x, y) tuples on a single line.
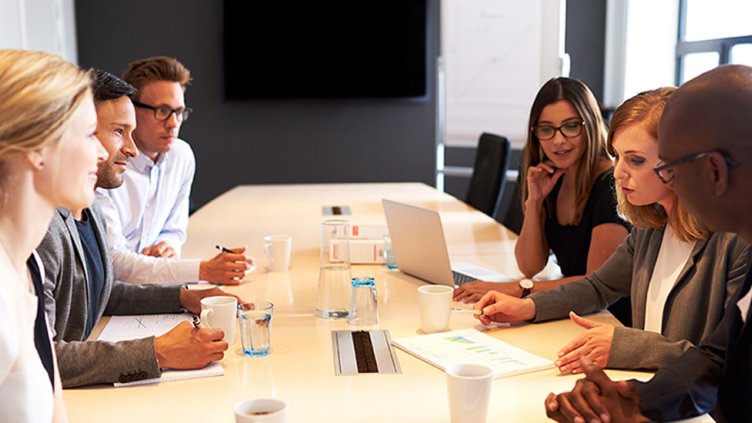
[(121, 328), (471, 346)]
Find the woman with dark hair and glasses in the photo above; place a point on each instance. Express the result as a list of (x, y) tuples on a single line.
[(679, 275), (567, 195)]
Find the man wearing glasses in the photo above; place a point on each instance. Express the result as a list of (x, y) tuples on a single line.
[(706, 149), (148, 214)]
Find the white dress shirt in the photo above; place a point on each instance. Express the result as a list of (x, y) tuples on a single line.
[(671, 260), (152, 204), (129, 266)]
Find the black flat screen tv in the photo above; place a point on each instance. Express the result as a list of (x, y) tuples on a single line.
[(287, 49)]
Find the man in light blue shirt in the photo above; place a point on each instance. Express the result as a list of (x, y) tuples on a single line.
[(148, 213), (151, 207)]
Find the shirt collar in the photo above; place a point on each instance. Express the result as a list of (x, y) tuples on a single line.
[(142, 162)]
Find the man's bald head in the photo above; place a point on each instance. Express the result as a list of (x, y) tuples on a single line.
[(710, 112), (706, 132)]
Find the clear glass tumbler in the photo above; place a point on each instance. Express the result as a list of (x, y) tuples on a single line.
[(256, 327), (333, 296), (363, 303)]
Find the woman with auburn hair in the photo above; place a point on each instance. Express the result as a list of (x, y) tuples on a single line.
[(568, 198), (679, 275), (48, 158)]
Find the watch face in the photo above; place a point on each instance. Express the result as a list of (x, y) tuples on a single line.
[(526, 283)]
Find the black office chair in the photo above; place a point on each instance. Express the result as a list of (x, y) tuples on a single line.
[(489, 173)]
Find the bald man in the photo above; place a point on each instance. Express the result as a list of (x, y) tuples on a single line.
[(705, 143)]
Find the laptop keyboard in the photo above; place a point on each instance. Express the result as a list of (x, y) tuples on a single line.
[(460, 278)]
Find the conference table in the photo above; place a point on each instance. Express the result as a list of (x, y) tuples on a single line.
[(300, 368)]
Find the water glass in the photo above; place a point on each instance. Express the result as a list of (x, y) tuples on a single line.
[(363, 304), (333, 295), (255, 327)]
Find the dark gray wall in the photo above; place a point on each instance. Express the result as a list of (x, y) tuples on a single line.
[(258, 142), (585, 41)]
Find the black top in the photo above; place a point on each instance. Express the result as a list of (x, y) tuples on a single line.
[(94, 267), (41, 334), (571, 243)]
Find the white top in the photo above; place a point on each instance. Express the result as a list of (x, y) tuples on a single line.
[(152, 204), (25, 389), (744, 304), (130, 266), (671, 260)]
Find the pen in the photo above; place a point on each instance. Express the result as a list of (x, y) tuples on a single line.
[(223, 249), (196, 321), (466, 310)]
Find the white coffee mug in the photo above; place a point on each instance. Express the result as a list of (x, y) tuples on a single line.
[(220, 312), (434, 301), (277, 249), (264, 410), (468, 389)]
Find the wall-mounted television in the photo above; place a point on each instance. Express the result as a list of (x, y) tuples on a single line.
[(287, 49)]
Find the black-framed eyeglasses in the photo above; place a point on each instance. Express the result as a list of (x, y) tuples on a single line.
[(665, 170), (568, 130), (164, 112)]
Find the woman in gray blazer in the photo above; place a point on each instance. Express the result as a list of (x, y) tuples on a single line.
[(679, 275)]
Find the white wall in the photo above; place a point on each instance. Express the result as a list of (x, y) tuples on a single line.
[(47, 25), (496, 54), (640, 47)]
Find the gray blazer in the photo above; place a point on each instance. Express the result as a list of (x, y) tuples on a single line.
[(694, 307), (66, 299)]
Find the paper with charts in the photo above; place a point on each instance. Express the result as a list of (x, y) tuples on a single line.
[(121, 328), (471, 346)]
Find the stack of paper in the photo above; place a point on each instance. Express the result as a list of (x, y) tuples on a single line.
[(121, 328)]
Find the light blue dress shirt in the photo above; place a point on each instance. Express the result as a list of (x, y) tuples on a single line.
[(152, 204)]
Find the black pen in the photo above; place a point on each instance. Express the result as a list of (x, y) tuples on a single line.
[(223, 249), (196, 321)]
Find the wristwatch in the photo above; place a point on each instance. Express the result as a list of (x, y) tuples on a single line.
[(527, 286)]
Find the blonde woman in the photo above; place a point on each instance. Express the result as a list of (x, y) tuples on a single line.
[(568, 196), (48, 158), (679, 275)]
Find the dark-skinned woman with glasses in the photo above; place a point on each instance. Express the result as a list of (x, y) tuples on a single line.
[(567, 194), (680, 276)]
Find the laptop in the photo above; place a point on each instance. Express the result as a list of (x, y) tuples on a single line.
[(420, 250)]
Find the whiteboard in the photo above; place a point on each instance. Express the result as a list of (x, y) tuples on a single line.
[(496, 54)]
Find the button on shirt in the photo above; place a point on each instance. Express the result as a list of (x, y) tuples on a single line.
[(152, 204)]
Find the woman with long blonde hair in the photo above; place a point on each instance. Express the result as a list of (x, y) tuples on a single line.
[(48, 158)]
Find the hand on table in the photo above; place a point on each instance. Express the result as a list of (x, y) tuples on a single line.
[(596, 398), (186, 347), (594, 343), (160, 249), (226, 268), (498, 307), (472, 291)]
